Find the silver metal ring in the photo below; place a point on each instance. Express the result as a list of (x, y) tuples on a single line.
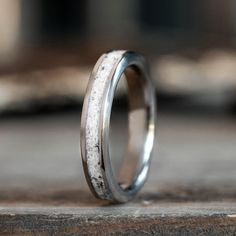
[(95, 123)]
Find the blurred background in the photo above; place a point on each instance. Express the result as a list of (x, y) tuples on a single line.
[(47, 50)]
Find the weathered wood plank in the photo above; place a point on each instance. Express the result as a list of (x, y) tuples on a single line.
[(163, 219), (191, 189)]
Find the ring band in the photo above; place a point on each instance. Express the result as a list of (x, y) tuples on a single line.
[(95, 123)]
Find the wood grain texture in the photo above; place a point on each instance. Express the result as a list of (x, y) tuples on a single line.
[(191, 189), (164, 220)]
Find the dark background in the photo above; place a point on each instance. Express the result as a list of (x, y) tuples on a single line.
[(190, 46)]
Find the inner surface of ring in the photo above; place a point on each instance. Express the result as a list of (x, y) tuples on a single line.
[(131, 163)]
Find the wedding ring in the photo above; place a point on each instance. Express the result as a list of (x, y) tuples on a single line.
[(95, 124)]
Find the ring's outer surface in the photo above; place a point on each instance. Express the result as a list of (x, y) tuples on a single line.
[(95, 123)]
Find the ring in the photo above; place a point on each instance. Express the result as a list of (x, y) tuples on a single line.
[(95, 123)]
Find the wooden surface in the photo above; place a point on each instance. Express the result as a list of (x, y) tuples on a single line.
[(191, 189)]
